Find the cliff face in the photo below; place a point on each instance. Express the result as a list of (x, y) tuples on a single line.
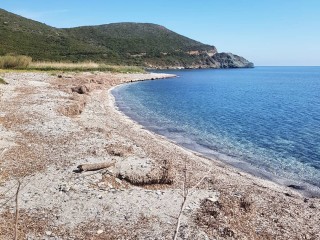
[(229, 60), (208, 60)]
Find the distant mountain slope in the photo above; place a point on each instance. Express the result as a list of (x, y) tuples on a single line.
[(135, 38), (145, 44), (19, 35)]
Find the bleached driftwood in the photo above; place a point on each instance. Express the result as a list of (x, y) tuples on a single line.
[(95, 166)]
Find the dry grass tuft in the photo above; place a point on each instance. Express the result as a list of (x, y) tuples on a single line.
[(2, 81), (231, 218), (14, 62), (63, 65), (83, 89), (83, 66), (208, 214), (245, 204), (211, 217)]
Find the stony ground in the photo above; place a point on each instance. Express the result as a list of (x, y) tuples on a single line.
[(50, 124)]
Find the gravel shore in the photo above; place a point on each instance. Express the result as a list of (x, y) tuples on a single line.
[(49, 124)]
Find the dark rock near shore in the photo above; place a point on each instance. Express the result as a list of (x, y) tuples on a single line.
[(296, 187)]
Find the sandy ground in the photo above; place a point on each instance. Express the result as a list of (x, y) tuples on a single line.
[(47, 130)]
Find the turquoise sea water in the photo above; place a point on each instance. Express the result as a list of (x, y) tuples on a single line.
[(264, 120)]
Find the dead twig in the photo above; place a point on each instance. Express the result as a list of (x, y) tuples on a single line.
[(95, 166), (13, 196), (17, 212), (8, 189), (201, 180), (185, 193), (3, 152)]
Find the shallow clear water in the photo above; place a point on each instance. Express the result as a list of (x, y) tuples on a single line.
[(264, 120)]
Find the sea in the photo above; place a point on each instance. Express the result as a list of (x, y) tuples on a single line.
[(262, 120)]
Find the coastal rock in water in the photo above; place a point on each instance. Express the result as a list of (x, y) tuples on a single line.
[(229, 60)]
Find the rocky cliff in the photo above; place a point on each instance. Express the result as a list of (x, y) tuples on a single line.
[(208, 60)]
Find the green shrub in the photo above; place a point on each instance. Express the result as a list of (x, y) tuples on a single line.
[(3, 81), (14, 62)]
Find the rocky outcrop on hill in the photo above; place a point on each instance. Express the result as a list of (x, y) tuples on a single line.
[(207, 60), (229, 60)]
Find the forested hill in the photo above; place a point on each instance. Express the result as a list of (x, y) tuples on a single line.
[(143, 44)]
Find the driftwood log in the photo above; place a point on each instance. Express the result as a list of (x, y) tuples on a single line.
[(95, 166)]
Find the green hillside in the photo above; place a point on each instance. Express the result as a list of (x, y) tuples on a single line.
[(19, 35), (136, 38), (144, 44)]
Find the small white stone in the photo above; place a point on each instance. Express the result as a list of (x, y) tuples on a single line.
[(213, 199), (118, 180), (48, 233), (99, 231), (101, 184)]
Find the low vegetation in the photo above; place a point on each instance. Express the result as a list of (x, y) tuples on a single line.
[(3, 81), (84, 66), (14, 62), (115, 44), (25, 63)]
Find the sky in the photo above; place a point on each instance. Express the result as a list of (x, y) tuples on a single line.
[(266, 32)]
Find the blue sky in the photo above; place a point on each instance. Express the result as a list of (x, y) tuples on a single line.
[(267, 32)]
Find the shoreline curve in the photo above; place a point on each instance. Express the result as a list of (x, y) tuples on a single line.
[(304, 188)]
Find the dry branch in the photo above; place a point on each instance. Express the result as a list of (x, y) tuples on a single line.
[(17, 212), (95, 166), (201, 180), (3, 152), (185, 193)]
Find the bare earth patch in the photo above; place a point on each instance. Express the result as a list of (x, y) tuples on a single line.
[(49, 125)]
